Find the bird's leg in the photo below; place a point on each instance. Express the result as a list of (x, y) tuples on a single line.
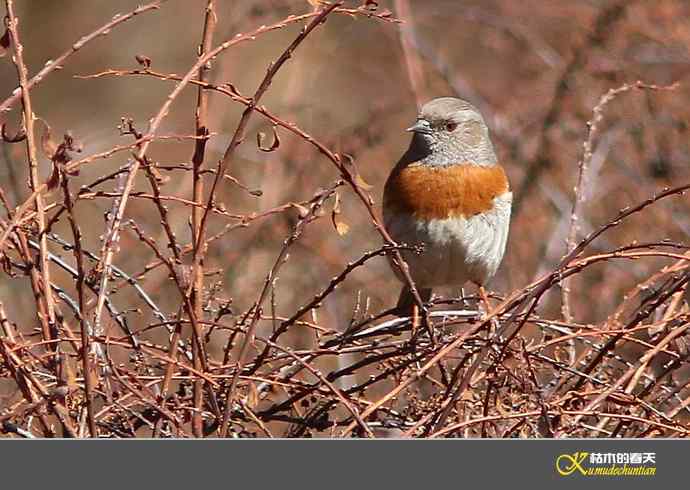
[(415, 320), (423, 316), (484, 299), (419, 316)]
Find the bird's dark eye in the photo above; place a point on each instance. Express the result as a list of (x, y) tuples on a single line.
[(451, 126)]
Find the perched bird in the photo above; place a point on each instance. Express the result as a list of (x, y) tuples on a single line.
[(449, 194)]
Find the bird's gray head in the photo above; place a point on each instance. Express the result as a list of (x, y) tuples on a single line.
[(450, 131)]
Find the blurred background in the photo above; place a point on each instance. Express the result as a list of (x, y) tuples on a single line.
[(535, 69)]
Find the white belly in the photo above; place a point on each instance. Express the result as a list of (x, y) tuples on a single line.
[(456, 250)]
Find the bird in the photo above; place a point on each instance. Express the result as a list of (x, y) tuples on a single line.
[(448, 194)]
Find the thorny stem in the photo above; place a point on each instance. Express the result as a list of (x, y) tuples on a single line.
[(583, 164), (257, 307), (86, 355), (47, 313), (197, 282)]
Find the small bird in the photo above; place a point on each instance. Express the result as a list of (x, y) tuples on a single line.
[(449, 194)]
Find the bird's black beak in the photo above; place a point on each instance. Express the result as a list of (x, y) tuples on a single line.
[(422, 126)]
